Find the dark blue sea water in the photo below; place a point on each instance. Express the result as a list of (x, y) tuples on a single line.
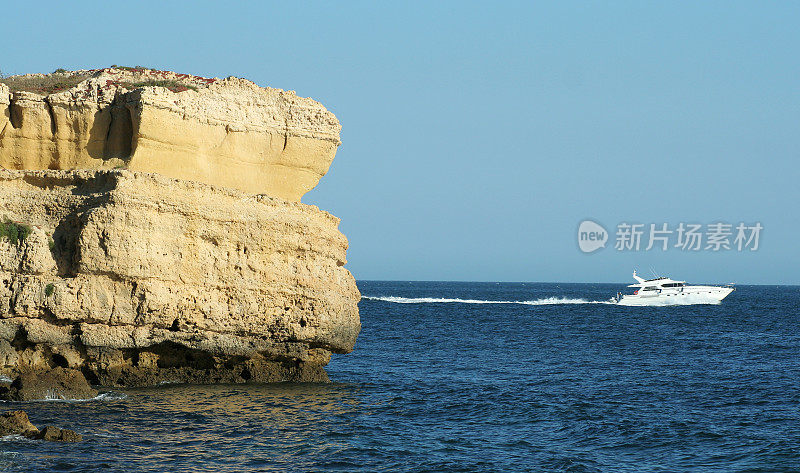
[(553, 385)]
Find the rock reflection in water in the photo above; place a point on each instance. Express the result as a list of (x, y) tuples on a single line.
[(194, 428)]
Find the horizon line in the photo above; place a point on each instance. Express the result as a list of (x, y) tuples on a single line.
[(544, 282)]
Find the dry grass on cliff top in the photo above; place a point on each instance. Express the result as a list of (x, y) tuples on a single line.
[(44, 84), (171, 84), (61, 80)]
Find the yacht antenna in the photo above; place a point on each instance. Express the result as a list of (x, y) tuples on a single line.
[(652, 270)]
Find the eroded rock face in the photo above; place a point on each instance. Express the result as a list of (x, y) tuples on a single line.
[(227, 132), (136, 279)]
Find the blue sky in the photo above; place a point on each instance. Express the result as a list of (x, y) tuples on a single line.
[(476, 136)]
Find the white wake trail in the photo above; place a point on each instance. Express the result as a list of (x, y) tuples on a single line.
[(439, 300)]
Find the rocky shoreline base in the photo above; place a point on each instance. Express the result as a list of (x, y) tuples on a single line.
[(17, 423)]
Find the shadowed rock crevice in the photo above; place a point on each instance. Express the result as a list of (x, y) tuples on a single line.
[(65, 238), (53, 125), (119, 138), (59, 361), (15, 114), (20, 341)]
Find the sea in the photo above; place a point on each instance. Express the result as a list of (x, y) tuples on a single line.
[(478, 377)]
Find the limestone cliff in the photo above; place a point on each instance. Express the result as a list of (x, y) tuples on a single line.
[(135, 278), (227, 132), (151, 231)]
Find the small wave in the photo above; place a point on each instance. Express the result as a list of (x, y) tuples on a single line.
[(110, 396), (14, 438), (439, 300), (563, 300), (106, 396)]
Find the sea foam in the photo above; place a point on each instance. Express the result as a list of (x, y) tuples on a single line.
[(106, 396), (439, 300)]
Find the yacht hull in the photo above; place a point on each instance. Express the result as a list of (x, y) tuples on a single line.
[(690, 295)]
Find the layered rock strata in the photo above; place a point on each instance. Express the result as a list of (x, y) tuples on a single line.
[(136, 279), (226, 132)]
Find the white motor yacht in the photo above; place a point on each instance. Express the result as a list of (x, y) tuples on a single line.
[(666, 291)]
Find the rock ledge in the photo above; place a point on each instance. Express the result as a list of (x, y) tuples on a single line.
[(228, 132), (133, 279)]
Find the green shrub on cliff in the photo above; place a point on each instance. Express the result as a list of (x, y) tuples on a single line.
[(172, 85), (132, 68), (49, 289), (14, 232)]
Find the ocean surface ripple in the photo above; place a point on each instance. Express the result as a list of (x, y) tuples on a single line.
[(476, 377)]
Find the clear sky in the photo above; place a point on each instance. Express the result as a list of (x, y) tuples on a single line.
[(477, 135)]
